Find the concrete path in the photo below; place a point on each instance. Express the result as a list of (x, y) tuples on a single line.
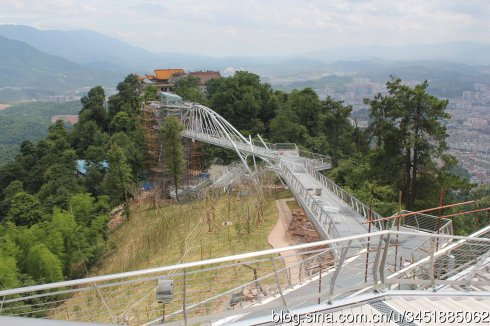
[(278, 239)]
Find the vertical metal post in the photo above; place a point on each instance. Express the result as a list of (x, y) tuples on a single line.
[(320, 283), (301, 273), (439, 217), (431, 264), (375, 265), (382, 264), (279, 285), (184, 308), (398, 224), (401, 263), (163, 314), (368, 244), (1, 305), (252, 148), (337, 271)]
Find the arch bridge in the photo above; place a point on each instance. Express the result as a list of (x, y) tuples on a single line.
[(334, 212)]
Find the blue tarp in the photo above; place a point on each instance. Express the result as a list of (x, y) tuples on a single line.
[(147, 186)]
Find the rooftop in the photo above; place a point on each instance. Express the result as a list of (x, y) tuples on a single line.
[(164, 74), (205, 76)]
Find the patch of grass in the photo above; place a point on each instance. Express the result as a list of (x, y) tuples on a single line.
[(217, 226), (208, 228)]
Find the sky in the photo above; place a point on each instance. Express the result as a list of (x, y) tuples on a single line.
[(259, 27)]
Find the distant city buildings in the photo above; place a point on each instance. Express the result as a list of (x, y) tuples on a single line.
[(476, 122), (469, 131)]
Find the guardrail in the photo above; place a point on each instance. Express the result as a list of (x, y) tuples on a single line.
[(229, 287), (425, 222), (315, 156), (350, 200), (234, 171), (455, 264), (324, 222), (285, 151)]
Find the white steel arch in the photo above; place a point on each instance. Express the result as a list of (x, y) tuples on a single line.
[(297, 168), (204, 121)]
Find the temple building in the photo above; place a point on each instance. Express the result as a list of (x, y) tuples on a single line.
[(204, 77), (164, 79)]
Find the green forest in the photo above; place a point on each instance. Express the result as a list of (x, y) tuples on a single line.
[(54, 221), (28, 121)]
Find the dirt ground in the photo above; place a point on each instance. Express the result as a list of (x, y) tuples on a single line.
[(293, 227), (278, 238)]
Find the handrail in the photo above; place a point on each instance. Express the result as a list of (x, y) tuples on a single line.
[(349, 199), (127, 295), (425, 222), (323, 219), (395, 216), (248, 255)]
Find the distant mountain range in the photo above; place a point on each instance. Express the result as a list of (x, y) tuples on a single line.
[(41, 62), (27, 73), (24, 66), (107, 53), (102, 52), (471, 53)]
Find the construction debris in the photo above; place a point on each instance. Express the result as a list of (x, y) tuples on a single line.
[(301, 230)]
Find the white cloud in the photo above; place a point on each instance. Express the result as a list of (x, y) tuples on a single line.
[(223, 27)]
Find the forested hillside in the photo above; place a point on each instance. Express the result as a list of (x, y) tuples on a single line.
[(54, 222), (28, 121)]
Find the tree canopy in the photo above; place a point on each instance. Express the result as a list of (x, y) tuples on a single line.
[(53, 221)]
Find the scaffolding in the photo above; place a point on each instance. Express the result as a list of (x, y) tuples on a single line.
[(153, 114)]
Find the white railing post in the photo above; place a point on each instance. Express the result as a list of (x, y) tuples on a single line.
[(376, 263), (432, 263), (279, 284), (337, 271), (382, 264)]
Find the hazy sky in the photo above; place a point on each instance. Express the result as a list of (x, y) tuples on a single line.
[(259, 27)]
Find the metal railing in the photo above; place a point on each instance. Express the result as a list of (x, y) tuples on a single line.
[(455, 263), (256, 282), (287, 152), (366, 212), (315, 156), (322, 220), (425, 222), (234, 171)]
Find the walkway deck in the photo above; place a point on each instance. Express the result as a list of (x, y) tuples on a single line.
[(348, 222)]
